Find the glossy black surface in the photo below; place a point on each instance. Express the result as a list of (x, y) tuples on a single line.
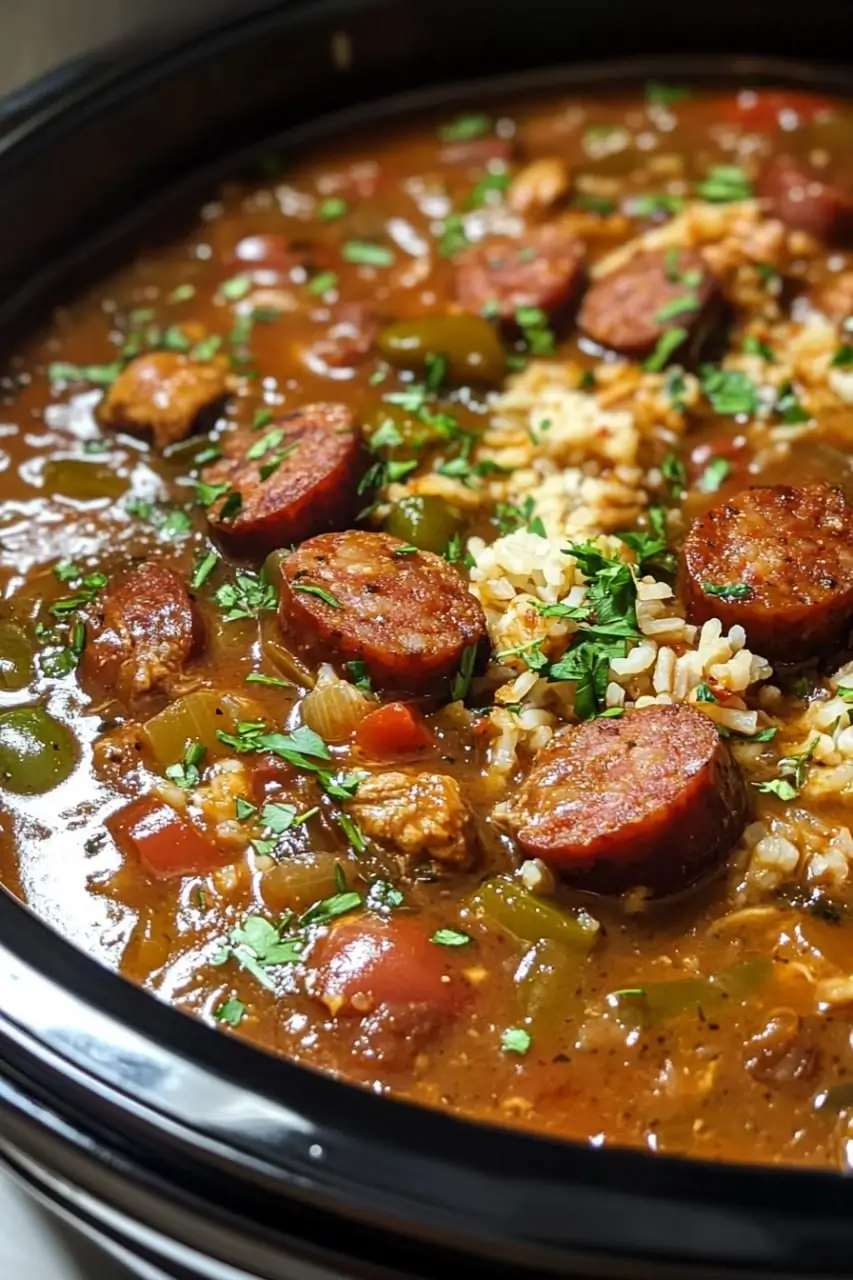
[(153, 1130)]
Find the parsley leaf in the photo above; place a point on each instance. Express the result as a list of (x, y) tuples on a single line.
[(728, 591), (462, 680), (247, 596), (730, 391), (450, 938), (516, 1040)]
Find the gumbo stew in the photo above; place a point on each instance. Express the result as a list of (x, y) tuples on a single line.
[(427, 588)]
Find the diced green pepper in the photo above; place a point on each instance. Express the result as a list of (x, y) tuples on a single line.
[(36, 751), (469, 344)]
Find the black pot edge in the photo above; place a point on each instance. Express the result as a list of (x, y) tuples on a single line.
[(817, 1185)]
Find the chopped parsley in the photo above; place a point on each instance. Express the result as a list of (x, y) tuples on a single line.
[(258, 677), (322, 283), (682, 305), (717, 471), (186, 773), (86, 587), (729, 391), (236, 288), (364, 254), (453, 238), (789, 407), (704, 693), (538, 337), (450, 938), (203, 569), (843, 357), (516, 1040), (792, 772), (728, 591), (383, 897), (181, 293), (725, 183), (332, 208), (665, 95), (102, 374), (352, 831), (651, 547), (303, 748), (309, 589), (672, 470), (465, 128), (508, 517), (667, 345), (231, 1013), (652, 206), (461, 682), (357, 674), (594, 204), (492, 184), (247, 596), (753, 346)]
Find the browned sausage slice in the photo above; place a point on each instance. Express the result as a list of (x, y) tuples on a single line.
[(499, 275), (652, 798), (779, 561), (294, 479), (357, 596), (798, 194), (630, 309), (164, 393), (146, 630)]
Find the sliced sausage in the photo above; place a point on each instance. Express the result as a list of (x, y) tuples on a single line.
[(779, 561), (146, 630), (798, 194), (650, 799), (164, 393), (294, 479), (500, 274), (357, 596), (630, 309)]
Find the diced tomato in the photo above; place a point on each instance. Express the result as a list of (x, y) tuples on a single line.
[(367, 962), (394, 730), (771, 110), (166, 843)]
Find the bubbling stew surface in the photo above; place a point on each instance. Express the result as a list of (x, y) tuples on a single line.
[(427, 588)]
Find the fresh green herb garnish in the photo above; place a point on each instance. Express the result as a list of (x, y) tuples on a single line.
[(461, 682), (538, 337), (332, 208), (383, 897), (516, 1040), (323, 282), (453, 237), (321, 593), (236, 288), (450, 938), (258, 677), (667, 345), (363, 254), (594, 204), (182, 293), (465, 128), (792, 771), (672, 470), (231, 1013), (665, 95), (186, 774), (704, 693), (203, 569), (728, 591), (789, 407), (753, 346), (680, 306), (357, 675), (102, 374), (651, 206), (352, 831), (725, 183), (491, 184), (278, 818), (247, 596), (717, 471), (843, 357), (730, 391)]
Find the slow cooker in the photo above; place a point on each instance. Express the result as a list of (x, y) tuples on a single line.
[(189, 1154)]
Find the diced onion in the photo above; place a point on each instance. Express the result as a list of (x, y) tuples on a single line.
[(334, 707)]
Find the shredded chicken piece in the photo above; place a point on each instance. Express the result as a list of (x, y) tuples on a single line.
[(423, 817)]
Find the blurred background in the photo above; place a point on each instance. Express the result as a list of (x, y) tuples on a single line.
[(38, 35)]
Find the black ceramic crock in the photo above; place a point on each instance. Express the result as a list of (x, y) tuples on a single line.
[(186, 1149)]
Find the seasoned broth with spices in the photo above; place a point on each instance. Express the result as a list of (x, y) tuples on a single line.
[(427, 590)]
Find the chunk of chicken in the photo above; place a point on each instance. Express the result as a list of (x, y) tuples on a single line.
[(163, 393), (422, 816)]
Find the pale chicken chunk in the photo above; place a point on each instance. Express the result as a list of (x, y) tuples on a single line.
[(163, 393), (421, 816)]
